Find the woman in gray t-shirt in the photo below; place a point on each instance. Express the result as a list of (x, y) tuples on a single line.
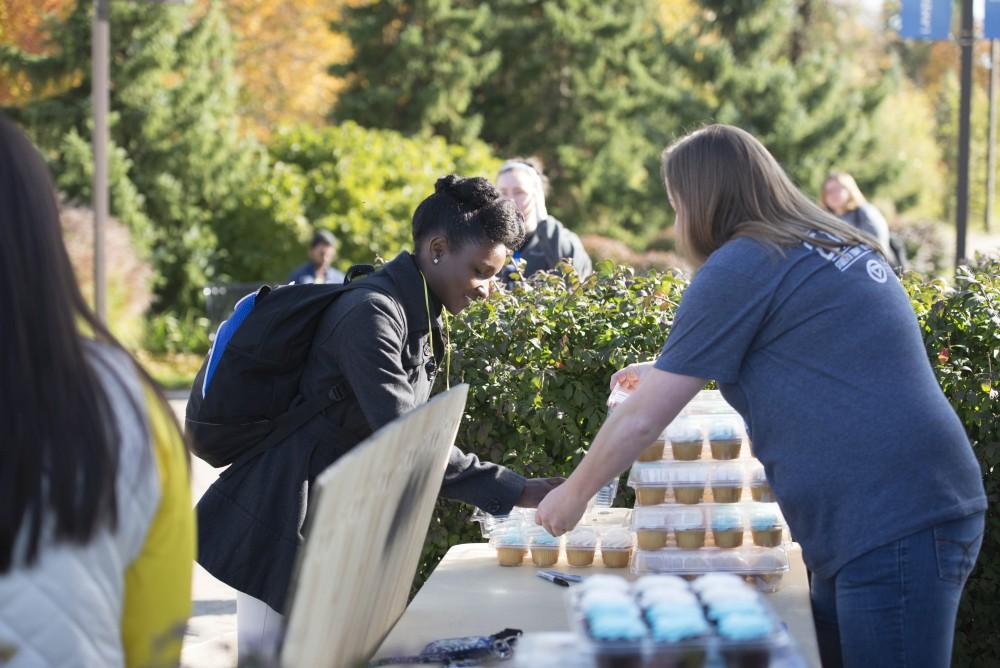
[(813, 340)]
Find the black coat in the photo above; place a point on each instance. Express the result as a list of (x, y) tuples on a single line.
[(380, 348), (550, 243)]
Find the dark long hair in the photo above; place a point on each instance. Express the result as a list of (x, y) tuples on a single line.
[(59, 446)]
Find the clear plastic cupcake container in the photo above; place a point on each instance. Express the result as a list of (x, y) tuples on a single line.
[(708, 525), (725, 623), (764, 565), (760, 488), (691, 482)]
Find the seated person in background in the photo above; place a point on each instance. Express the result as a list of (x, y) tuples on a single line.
[(547, 241), (318, 269)]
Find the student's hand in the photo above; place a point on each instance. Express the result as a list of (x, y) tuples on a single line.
[(535, 490), (561, 510), (630, 377)]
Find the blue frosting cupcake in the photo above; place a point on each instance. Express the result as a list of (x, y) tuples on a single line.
[(510, 538), (719, 610), (742, 627), (683, 624), (609, 628), (545, 539), (724, 519)]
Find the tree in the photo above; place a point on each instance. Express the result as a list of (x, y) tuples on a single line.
[(757, 65), (415, 65), (178, 160)]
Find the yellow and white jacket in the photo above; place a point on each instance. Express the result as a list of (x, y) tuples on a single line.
[(122, 599)]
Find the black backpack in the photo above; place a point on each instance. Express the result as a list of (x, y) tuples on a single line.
[(245, 398)]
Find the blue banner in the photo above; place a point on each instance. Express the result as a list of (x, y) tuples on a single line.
[(991, 20), (925, 19)]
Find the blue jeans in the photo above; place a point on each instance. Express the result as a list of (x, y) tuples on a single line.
[(896, 605)]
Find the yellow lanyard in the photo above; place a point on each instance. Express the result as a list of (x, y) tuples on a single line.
[(447, 334)]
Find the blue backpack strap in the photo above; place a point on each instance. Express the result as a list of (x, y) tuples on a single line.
[(226, 331)]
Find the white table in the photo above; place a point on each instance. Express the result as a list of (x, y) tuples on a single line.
[(469, 594)]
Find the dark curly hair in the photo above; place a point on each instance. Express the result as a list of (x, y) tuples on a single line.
[(468, 210)]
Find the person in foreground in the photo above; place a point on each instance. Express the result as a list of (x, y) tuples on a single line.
[(813, 340), (383, 347), (96, 524)]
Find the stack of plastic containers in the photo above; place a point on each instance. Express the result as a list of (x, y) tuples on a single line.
[(703, 503)]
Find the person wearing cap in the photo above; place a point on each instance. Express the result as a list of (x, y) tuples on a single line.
[(318, 269), (547, 240)]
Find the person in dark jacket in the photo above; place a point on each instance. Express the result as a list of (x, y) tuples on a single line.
[(318, 269), (547, 241), (383, 347)]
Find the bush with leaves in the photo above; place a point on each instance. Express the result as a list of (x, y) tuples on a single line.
[(537, 361), (961, 327), (364, 185)]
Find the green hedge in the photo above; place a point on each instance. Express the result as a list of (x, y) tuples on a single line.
[(961, 326), (538, 361)]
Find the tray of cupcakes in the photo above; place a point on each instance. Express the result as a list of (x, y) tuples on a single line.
[(518, 542), (665, 620), (692, 483), (720, 437)]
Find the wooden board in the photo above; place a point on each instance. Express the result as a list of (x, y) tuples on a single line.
[(369, 515)]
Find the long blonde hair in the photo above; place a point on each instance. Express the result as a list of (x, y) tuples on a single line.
[(727, 185), (854, 197)]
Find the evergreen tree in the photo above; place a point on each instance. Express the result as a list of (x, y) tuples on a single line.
[(415, 65), (177, 161), (758, 64)]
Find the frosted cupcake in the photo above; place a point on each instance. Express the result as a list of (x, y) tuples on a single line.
[(744, 640), (766, 528), (616, 548), (685, 441), (580, 546), (617, 639), (689, 529), (727, 527), (510, 546), (653, 452), (598, 603), (760, 488), (656, 601), (601, 582), (725, 440), (723, 608), (717, 581), (544, 549), (727, 483), (688, 482)]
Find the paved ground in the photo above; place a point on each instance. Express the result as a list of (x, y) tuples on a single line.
[(210, 641)]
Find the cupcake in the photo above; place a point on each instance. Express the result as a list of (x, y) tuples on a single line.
[(766, 528), (510, 547), (596, 603), (727, 527), (721, 609), (726, 481), (616, 548), (770, 567), (689, 529), (675, 635), (760, 488), (580, 546), (601, 582), (544, 549), (723, 593), (617, 639), (651, 539), (717, 581), (650, 496), (725, 440), (688, 481), (653, 452), (685, 441), (660, 600), (744, 640)]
